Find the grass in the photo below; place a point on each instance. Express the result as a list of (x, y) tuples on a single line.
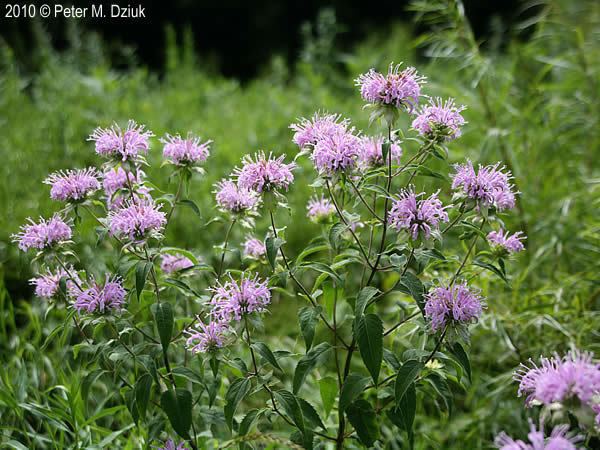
[(535, 105)]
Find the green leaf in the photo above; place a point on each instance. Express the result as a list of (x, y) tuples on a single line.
[(310, 414), (385, 149), (351, 389), (88, 381), (461, 356), (141, 274), (177, 405), (248, 421), (272, 245), (328, 389), (181, 285), (411, 285), (495, 270), (181, 251), (308, 317), (406, 375), (323, 268), (335, 233), (308, 362), (235, 394), (363, 418), (440, 386), (163, 314), (142, 393), (190, 204), (291, 406), (369, 335), (403, 416), (267, 354), (363, 298), (315, 248)]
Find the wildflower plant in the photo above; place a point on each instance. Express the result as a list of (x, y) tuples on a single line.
[(386, 291)]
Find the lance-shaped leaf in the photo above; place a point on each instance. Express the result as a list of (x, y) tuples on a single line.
[(177, 405), (406, 375), (235, 394), (308, 362), (369, 335), (363, 418)]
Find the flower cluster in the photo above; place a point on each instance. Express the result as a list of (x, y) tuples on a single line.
[(174, 263), (118, 178), (263, 174), (417, 215), (559, 439), (371, 152), (234, 299), (399, 88), (73, 185), (559, 379), (453, 304), (47, 284), (309, 131), (183, 152), (254, 248), (171, 445), (440, 118), (508, 243), (206, 337), (319, 209), (232, 198), (489, 186), (101, 299), (43, 234), (124, 144), (136, 220), (336, 152)]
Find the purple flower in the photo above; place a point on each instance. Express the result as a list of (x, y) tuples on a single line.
[(319, 209), (174, 263), (117, 178), (101, 299), (558, 379), (308, 132), (336, 152), (510, 243), (414, 214), (123, 144), (263, 173), (231, 198), (136, 220), (401, 89), (489, 185), (73, 185), (43, 234), (440, 119), (371, 154), (234, 299), (559, 439), (185, 151), (47, 284), (254, 248), (170, 445), (206, 337), (456, 303)]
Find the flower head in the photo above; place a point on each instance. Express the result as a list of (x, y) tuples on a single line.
[(456, 303), (309, 131), (118, 178), (136, 220), (417, 214), (47, 284), (371, 152), (490, 185), (440, 119), (232, 198), (185, 151), (254, 248), (560, 439), (124, 144), (174, 263), (336, 152), (401, 89), (262, 174), (319, 209), (509, 243), (557, 379), (234, 299), (43, 234), (101, 299), (73, 185), (170, 445), (205, 338)]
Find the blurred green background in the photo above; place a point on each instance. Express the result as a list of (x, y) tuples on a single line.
[(534, 103)]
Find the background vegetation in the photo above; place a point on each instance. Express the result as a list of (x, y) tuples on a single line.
[(533, 104)]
